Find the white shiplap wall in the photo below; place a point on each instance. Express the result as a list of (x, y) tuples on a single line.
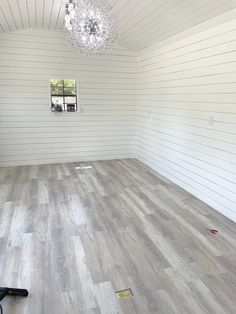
[(186, 116), (31, 134)]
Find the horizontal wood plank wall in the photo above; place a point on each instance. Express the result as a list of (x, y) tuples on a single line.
[(31, 134), (186, 117)]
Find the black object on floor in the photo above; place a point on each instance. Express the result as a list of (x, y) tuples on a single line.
[(12, 292)]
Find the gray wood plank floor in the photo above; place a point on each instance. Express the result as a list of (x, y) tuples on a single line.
[(75, 236)]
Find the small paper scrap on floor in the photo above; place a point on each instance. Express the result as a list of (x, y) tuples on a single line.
[(83, 197), (84, 167), (124, 294)]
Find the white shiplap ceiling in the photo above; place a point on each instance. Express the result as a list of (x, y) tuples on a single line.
[(141, 22)]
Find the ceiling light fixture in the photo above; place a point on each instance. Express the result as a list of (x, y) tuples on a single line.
[(90, 25)]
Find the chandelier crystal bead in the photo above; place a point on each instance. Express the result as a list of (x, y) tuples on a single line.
[(90, 26)]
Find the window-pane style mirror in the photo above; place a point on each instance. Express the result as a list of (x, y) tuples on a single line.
[(63, 95)]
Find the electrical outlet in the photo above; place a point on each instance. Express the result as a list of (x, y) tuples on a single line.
[(211, 120)]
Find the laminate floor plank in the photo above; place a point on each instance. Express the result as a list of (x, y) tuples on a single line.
[(75, 233)]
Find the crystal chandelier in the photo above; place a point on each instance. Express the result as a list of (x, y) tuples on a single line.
[(90, 25)]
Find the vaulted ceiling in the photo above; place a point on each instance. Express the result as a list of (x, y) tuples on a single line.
[(141, 22)]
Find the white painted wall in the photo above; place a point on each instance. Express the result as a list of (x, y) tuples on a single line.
[(31, 134), (186, 117)]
